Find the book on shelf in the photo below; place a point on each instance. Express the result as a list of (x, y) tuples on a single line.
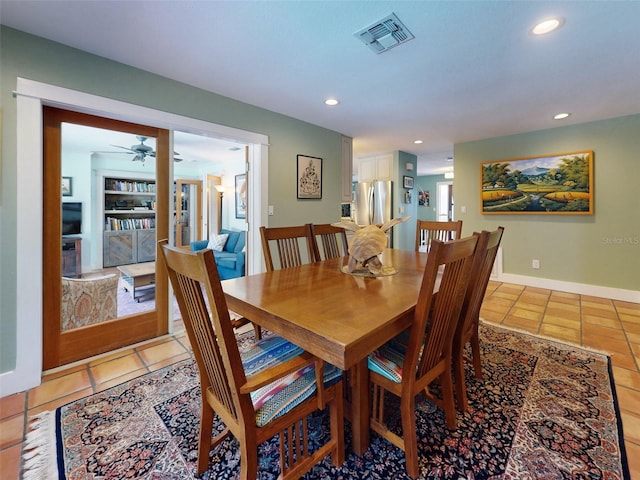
[(115, 185), (116, 224)]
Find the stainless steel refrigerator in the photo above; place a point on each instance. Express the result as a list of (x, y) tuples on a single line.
[(373, 202)]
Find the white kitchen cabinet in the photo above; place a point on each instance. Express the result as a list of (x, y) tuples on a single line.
[(378, 167)]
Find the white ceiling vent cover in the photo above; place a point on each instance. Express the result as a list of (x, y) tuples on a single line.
[(384, 34)]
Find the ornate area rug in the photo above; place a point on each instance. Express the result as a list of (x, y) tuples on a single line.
[(544, 410)]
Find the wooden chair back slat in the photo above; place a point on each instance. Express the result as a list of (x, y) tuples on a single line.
[(332, 239), (427, 231), (287, 245)]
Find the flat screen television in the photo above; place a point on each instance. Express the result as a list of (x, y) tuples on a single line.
[(71, 218)]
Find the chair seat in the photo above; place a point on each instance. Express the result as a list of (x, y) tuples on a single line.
[(281, 396), (389, 358)]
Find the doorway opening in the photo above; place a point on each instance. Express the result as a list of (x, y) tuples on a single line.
[(444, 201), (31, 96)]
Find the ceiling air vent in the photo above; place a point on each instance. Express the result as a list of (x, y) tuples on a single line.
[(384, 34)]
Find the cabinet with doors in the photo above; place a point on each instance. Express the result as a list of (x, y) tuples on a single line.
[(129, 219), (347, 168), (379, 167), (72, 257)]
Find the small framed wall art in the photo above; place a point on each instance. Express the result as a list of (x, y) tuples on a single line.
[(241, 196), (309, 177), (407, 181), (67, 186), (423, 198)]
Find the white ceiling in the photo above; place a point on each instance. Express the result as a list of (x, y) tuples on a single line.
[(473, 70), (195, 151)]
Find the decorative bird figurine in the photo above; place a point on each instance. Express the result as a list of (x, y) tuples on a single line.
[(367, 244)]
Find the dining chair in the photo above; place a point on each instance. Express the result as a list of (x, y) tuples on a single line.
[(292, 244), (427, 230), (88, 301), (332, 239), (467, 329), (265, 391), (406, 365)]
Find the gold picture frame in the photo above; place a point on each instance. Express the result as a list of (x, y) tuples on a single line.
[(556, 184)]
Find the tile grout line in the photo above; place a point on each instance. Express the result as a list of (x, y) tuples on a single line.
[(626, 337)]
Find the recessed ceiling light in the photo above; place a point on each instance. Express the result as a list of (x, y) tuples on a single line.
[(561, 116), (331, 102), (547, 26), (417, 142)]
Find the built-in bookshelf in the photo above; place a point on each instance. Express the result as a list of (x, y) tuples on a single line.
[(129, 220), (129, 204)]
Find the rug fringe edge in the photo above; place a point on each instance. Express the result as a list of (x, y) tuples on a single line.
[(39, 455)]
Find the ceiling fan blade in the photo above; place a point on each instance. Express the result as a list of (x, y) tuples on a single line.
[(125, 148), (118, 152)]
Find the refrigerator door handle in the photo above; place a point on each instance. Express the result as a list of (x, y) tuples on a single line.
[(370, 201)]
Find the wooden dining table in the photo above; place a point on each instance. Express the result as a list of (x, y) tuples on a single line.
[(339, 317)]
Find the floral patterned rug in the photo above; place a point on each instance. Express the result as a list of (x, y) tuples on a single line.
[(544, 410)]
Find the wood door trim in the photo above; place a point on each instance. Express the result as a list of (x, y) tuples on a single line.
[(198, 204), (58, 347)]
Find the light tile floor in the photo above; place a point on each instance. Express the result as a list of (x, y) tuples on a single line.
[(598, 323)]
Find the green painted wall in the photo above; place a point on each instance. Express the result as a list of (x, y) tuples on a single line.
[(405, 233), (34, 58), (429, 183), (601, 249)]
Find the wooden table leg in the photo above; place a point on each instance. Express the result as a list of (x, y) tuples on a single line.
[(360, 406)]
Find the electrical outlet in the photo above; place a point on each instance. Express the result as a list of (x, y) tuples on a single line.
[(535, 263)]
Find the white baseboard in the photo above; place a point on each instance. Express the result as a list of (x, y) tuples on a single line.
[(498, 275), (15, 381), (570, 287)]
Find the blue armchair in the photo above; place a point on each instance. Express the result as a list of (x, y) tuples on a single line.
[(231, 259)]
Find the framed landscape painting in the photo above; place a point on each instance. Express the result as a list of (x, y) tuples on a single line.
[(551, 184)]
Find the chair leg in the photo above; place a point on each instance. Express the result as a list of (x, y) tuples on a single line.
[(410, 436), (204, 441), (460, 384), (448, 401), (257, 331), (475, 349), (248, 459), (239, 322)]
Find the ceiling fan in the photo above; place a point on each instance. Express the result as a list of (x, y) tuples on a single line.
[(142, 151)]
